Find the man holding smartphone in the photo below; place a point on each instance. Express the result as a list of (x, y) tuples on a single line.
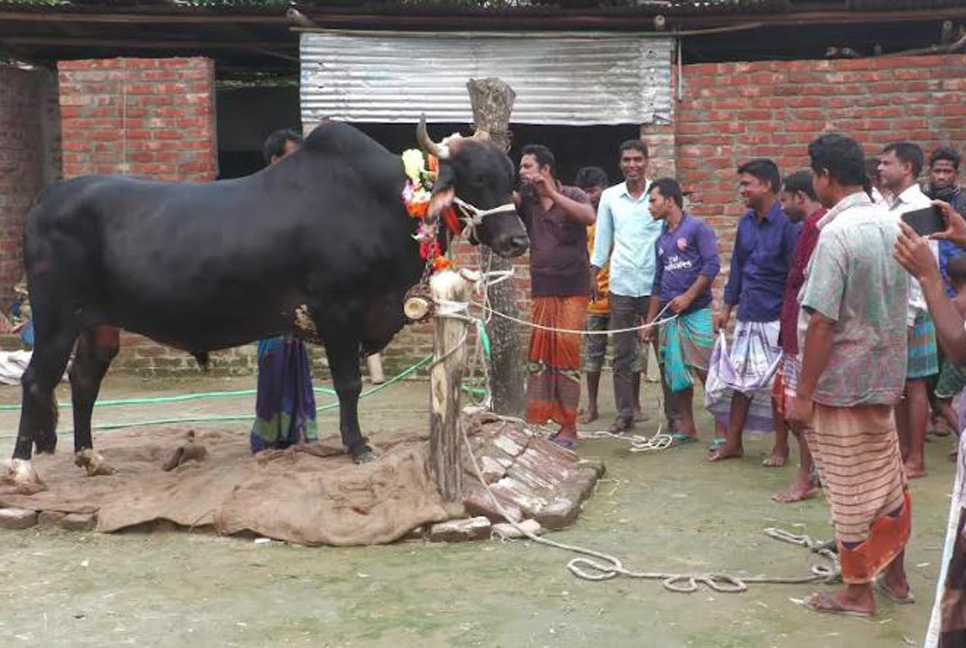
[(899, 167), (944, 185)]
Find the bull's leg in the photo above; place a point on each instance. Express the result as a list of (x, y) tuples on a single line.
[(38, 413), (96, 349), (343, 355)]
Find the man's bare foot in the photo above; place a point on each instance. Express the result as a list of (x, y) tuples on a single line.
[(776, 459), (726, 452), (843, 602), (801, 490), (915, 470), (621, 424), (589, 415), (897, 592), (640, 416)]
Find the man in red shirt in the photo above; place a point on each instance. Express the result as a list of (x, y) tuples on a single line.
[(800, 204)]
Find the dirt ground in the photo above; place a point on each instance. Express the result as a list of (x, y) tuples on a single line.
[(661, 512)]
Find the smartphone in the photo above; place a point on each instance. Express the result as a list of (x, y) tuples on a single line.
[(925, 221)]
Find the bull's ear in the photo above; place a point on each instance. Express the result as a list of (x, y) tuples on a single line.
[(443, 192)]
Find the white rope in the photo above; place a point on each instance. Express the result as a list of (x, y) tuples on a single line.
[(657, 322), (592, 565), (472, 216), (639, 443)]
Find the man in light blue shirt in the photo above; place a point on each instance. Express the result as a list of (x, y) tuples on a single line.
[(626, 235)]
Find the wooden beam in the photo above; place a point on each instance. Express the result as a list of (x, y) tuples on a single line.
[(52, 16), (621, 22), (53, 41)]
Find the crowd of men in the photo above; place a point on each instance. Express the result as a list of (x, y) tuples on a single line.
[(832, 340)]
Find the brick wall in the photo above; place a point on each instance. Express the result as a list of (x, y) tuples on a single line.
[(28, 144), (732, 112), (148, 118)]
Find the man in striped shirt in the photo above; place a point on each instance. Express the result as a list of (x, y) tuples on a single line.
[(853, 331)]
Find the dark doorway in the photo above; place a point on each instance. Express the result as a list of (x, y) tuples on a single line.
[(573, 146), (246, 116)]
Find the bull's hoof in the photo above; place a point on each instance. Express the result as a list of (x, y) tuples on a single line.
[(92, 462), (363, 455), (21, 475)]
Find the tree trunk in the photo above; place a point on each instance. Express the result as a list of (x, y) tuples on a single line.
[(445, 380), (492, 101)]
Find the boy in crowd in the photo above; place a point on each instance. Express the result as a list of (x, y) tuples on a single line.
[(687, 264), (801, 204), (899, 167)]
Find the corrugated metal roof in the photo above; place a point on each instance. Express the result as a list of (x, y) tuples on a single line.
[(559, 78)]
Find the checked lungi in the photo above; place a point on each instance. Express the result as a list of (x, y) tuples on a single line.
[(685, 344), (923, 353), (748, 369)]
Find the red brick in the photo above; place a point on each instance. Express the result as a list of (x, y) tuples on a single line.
[(165, 126)]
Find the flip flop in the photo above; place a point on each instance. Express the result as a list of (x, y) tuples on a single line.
[(680, 439), (563, 443), (825, 604), (715, 444), (881, 587)]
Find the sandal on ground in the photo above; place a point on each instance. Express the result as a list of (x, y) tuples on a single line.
[(680, 439), (570, 444), (715, 444), (881, 587), (824, 603)]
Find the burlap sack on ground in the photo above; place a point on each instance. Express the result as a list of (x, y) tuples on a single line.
[(291, 496)]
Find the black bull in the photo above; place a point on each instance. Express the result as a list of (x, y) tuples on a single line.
[(200, 267)]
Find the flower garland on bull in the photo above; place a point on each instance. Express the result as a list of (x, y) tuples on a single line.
[(421, 175)]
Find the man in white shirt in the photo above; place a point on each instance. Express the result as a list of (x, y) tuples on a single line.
[(899, 167), (626, 235)]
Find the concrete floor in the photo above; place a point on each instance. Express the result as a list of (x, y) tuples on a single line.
[(669, 511)]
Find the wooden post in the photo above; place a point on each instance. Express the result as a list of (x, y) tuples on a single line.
[(451, 338), (492, 102)]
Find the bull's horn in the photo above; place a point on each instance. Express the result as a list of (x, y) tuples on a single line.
[(427, 144)]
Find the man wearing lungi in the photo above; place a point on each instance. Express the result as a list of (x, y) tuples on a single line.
[(944, 185), (899, 167), (285, 401), (801, 205), (556, 218), (852, 330), (687, 264), (763, 251), (947, 626)]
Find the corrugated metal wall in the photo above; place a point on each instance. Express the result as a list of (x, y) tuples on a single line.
[(559, 78)]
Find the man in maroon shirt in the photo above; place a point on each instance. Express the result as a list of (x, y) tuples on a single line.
[(556, 218), (800, 204)]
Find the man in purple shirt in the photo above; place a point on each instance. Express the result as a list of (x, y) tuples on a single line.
[(764, 247), (687, 263)]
